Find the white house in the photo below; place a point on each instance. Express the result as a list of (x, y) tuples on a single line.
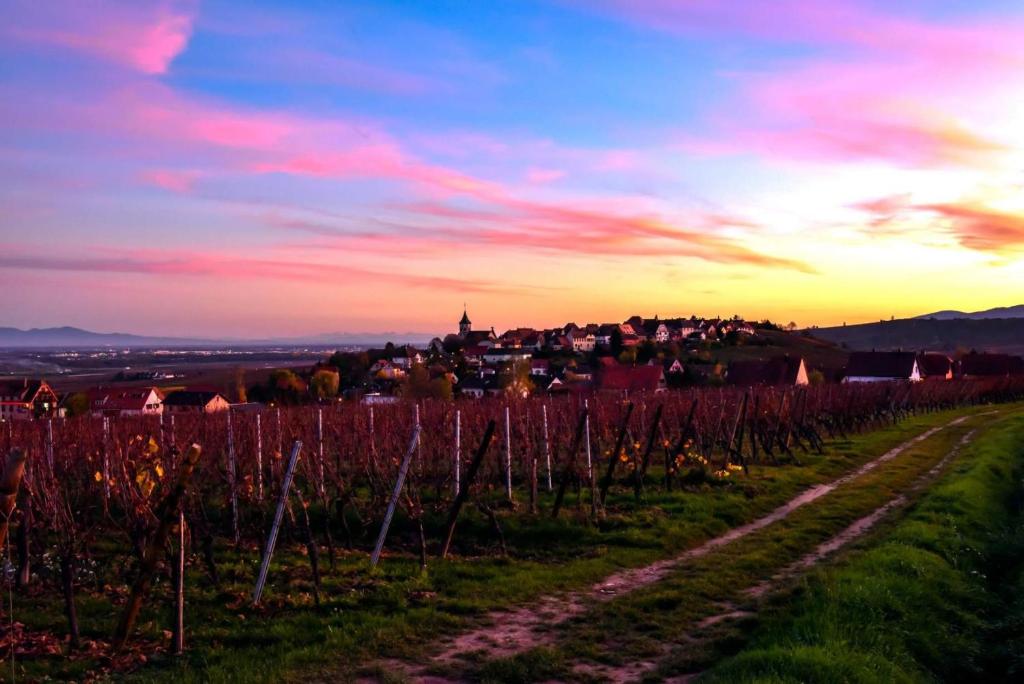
[(143, 401), (582, 341)]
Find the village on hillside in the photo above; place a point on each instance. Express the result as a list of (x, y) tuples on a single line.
[(638, 355)]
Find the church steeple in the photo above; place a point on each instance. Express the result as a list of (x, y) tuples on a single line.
[(464, 324)]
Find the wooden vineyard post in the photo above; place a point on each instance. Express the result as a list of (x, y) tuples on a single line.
[(460, 498), (547, 445), (281, 437), (457, 461), (753, 428), (268, 550), (533, 482), (570, 468), (14, 469), (178, 633), (106, 462), (670, 456), (232, 480), (49, 443), (167, 515), (373, 434), (638, 482), (737, 435), (259, 458), (586, 438), (606, 481), (320, 448), (508, 455), (403, 470)]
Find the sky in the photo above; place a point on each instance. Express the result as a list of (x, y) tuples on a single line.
[(268, 169)]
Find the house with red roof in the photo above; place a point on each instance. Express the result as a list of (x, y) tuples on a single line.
[(25, 399), (111, 402), (935, 366), (782, 370), (630, 379), (981, 365)]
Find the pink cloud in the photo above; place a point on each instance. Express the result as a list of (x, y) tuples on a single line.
[(867, 109), (509, 223), (836, 23), (143, 36), (174, 180), (882, 85), (224, 266)]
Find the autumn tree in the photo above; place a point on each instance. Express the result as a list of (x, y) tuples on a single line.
[(324, 384), (419, 385), (77, 404)]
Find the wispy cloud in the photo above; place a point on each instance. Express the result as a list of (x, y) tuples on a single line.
[(979, 227), (514, 224), (871, 84), (175, 180), (972, 224), (144, 36), (226, 266)]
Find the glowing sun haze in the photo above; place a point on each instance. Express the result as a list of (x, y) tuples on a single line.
[(272, 168)]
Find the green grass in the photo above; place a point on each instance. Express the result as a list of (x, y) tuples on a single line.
[(938, 599), (397, 611), (642, 624)]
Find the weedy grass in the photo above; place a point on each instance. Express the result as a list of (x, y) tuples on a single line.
[(937, 599), (397, 611)]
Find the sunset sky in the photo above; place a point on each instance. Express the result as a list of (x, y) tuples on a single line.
[(261, 169)]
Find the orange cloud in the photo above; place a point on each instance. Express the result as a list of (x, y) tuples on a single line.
[(980, 228), (519, 224)]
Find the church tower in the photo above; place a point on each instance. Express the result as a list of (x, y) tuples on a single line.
[(464, 324)]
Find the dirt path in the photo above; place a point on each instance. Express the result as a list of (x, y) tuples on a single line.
[(515, 631), (637, 670)]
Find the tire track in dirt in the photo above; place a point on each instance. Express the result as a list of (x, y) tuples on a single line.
[(637, 670), (509, 632)]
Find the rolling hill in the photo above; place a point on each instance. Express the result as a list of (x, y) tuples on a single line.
[(998, 312), (931, 333)]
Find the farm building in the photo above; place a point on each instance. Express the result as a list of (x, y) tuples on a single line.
[(882, 367), (24, 399), (977, 365), (783, 370), (195, 401), (110, 402), (627, 379), (935, 366)]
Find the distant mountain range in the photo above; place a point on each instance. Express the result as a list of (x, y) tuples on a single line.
[(999, 312), (76, 338)]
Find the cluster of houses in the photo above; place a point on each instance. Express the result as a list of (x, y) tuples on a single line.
[(26, 399), (487, 356), (487, 359), (594, 358), (482, 344)]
